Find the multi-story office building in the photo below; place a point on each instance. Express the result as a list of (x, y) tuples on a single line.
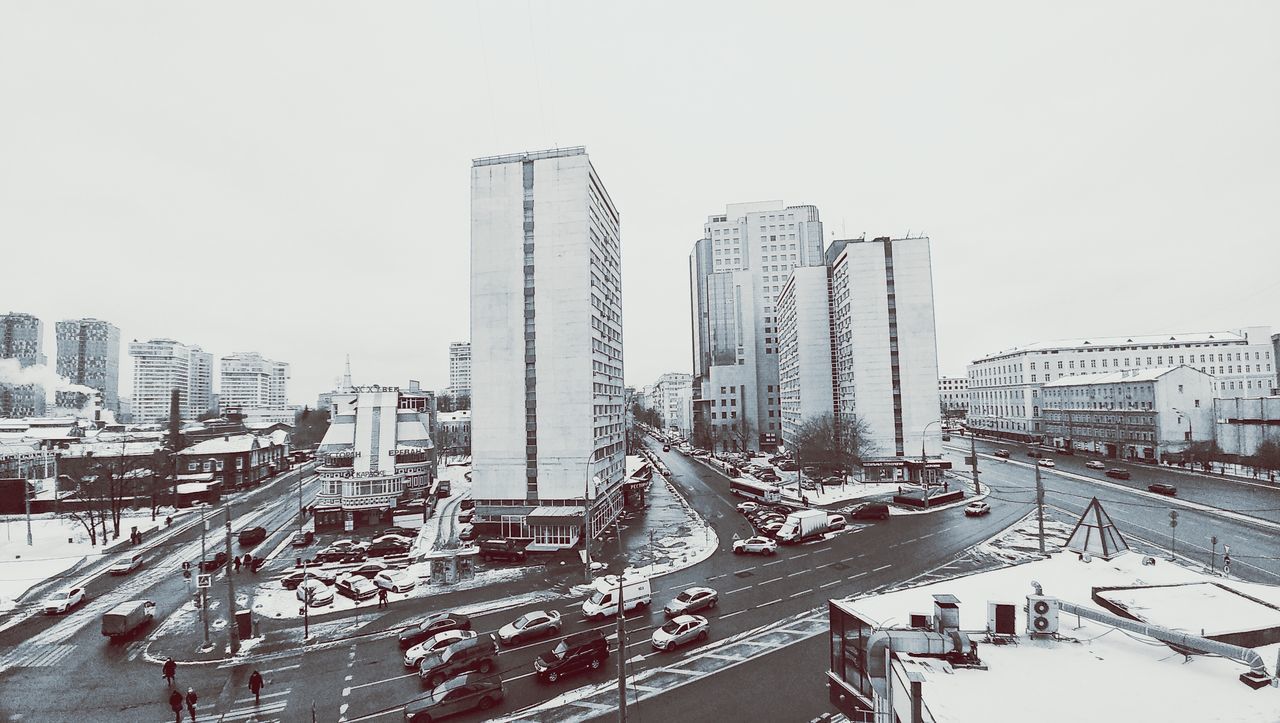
[(1004, 388), (162, 365), (671, 393), (89, 355), (546, 332), (251, 382), (806, 358), (460, 369), (1134, 414), (1242, 425), (953, 394), (1275, 354), (886, 347), (376, 453), (736, 272), (22, 339)]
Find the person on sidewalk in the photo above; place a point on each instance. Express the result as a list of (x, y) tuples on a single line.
[(382, 598), (191, 702), (255, 685), (175, 702), (170, 670), (237, 564)]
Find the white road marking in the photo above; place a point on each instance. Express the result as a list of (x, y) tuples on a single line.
[(729, 615), (833, 582), (740, 589), (797, 572), (855, 577), (802, 592), (769, 603), (882, 567)]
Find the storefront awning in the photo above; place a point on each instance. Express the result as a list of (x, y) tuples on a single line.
[(541, 516)]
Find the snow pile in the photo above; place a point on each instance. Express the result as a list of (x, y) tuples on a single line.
[(1109, 674), (1203, 608), (833, 494), (676, 553), (1021, 542)]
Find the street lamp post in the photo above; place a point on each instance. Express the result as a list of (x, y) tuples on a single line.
[(923, 461)]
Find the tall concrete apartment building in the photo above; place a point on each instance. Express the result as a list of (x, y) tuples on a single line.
[(673, 394), (22, 338), (737, 270), (161, 365), (460, 368), (89, 354), (548, 439), (253, 383), (858, 340), (1005, 387)]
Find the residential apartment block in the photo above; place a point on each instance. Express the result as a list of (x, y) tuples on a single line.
[(460, 368), (737, 270), (674, 396), (1004, 388), (548, 438), (807, 380), (89, 354), (953, 394), (22, 339), (252, 383), (162, 365)]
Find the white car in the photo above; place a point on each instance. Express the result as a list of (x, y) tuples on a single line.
[(320, 593), (530, 625), (691, 600), (680, 630), (977, 509), (126, 565), (1095, 464), (415, 654), (395, 581), (745, 507), (1046, 463), (63, 600), (757, 545)]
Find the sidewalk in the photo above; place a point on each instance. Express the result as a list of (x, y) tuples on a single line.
[(665, 536)]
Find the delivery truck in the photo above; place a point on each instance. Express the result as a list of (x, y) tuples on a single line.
[(127, 617), (635, 592), (802, 525)]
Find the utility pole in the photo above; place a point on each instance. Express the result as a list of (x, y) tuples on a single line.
[(973, 464), (1040, 505), (622, 642), (204, 591), (586, 523), (231, 591), (26, 501)]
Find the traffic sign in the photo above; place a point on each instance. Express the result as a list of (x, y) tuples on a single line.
[(186, 566), (204, 580)]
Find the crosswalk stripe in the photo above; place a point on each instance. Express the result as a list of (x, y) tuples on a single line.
[(265, 695), (264, 709)]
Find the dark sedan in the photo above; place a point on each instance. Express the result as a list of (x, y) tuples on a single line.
[(437, 623), (1162, 488), (387, 547), (293, 579), (1118, 473)]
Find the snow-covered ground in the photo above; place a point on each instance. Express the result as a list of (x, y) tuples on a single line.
[(59, 543), (827, 495), (1092, 670)]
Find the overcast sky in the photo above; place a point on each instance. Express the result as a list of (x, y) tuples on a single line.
[(292, 178)]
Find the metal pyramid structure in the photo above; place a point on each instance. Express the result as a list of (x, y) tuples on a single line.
[(1096, 534)]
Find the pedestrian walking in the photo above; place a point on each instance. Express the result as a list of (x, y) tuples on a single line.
[(382, 598), (191, 702), (170, 669), (175, 702), (255, 685), (237, 564)]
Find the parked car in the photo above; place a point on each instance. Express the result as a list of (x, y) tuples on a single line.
[(755, 545), (318, 593), (1162, 488), (369, 570), (835, 522), (771, 528), (213, 563), (252, 536), (1095, 464), (406, 532), (63, 600), (465, 516), (691, 600), (768, 476), (977, 509), (1001, 453), (530, 625), (680, 630), (1064, 451), (479, 654), (393, 537), (356, 587), (745, 507), (787, 466), (1119, 473), (666, 448), (126, 565), (467, 504), (303, 538), (295, 578), (1035, 453), (467, 533), (416, 653), (387, 548), (871, 511), (437, 623), (588, 650), (1046, 462), (502, 549), (833, 480), (395, 581), (457, 695)]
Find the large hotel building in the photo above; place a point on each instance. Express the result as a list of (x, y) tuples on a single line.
[(548, 438)]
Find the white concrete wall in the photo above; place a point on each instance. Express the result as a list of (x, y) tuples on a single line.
[(497, 332), (917, 345), (804, 325)]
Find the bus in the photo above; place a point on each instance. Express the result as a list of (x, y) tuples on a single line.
[(757, 491)]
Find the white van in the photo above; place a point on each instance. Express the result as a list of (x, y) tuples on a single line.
[(603, 602), (126, 565)]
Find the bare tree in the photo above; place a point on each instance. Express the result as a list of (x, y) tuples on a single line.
[(741, 431), (829, 441)]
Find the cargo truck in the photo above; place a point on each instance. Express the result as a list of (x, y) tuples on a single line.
[(802, 525), (127, 617)]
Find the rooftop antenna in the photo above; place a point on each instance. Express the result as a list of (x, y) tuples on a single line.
[(346, 378)]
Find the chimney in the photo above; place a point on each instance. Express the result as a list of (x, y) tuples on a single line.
[(226, 438), (946, 613)]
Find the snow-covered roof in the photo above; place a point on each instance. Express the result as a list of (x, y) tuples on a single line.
[(279, 436), (1136, 375), (1199, 337), (112, 449), (340, 435), (462, 415), (1118, 675), (224, 445)]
